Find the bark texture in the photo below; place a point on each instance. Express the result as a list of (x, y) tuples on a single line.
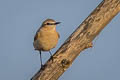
[(79, 40)]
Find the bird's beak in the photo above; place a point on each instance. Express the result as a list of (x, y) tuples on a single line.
[(57, 23)]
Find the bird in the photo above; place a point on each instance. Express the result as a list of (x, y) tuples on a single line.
[(46, 37)]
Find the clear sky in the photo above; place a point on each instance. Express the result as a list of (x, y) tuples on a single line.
[(19, 21)]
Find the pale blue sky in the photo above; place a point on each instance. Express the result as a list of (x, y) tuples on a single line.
[(19, 21)]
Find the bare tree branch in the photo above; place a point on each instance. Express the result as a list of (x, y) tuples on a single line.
[(79, 40)]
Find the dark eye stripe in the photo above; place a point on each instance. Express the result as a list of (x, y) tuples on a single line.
[(50, 23)]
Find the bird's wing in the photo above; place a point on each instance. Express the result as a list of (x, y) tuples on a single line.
[(36, 36)]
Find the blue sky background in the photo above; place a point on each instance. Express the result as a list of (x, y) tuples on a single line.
[(19, 21)]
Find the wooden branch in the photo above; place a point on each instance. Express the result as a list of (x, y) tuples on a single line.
[(79, 40)]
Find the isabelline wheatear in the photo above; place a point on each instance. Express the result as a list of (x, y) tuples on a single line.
[(46, 37)]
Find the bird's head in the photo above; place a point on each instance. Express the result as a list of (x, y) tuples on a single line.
[(50, 23)]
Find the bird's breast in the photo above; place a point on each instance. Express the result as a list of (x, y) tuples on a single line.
[(46, 40)]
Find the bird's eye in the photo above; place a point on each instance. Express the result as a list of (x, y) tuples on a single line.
[(50, 24)]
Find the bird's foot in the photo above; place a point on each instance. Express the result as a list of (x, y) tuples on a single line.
[(51, 58), (42, 67)]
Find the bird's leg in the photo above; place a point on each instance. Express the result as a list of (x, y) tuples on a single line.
[(41, 59), (51, 55)]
